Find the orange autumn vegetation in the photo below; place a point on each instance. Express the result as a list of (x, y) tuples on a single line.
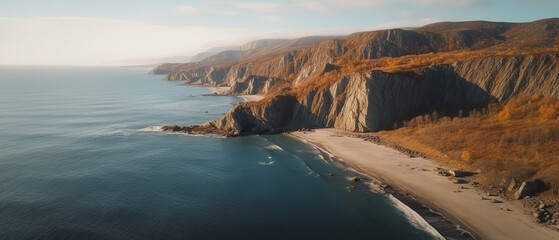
[(407, 63), (518, 140)]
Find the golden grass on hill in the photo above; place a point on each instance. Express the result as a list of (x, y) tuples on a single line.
[(408, 63), (518, 140)]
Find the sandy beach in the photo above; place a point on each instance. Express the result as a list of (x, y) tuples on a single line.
[(484, 218)]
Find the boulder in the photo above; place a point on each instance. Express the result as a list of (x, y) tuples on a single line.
[(172, 128), (529, 188), (513, 185), (460, 181), (355, 179), (459, 173), (442, 172)]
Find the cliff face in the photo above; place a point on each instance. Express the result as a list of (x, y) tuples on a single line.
[(506, 77), (297, 60), (301, 63), (376, 100), (291, 74)]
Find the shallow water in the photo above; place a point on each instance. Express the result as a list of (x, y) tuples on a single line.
[(78, 161)]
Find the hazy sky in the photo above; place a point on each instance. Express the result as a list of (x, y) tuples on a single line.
[(64, 32)]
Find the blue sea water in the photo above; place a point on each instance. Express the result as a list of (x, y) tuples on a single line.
[(78, 161)]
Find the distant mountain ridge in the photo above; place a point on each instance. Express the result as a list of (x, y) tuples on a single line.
[(251, 49), (210, 52)]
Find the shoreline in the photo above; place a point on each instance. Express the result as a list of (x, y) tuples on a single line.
[(460, 203), (442, 223)]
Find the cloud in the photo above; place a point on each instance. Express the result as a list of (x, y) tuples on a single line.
[(272, 7), (196, 11), (322, 6), (358, 3), (261, 7), (187, 10), (379, 3), (312, 5)]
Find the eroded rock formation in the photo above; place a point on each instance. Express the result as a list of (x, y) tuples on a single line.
[(374, 100)]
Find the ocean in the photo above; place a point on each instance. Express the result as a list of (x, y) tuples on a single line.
[(79, 159)]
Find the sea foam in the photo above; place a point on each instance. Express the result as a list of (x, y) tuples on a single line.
[(151, 129), (415, 219), (266, 163), (273, 147)]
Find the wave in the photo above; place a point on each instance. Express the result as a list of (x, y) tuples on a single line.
[(273, 147), (266, 163), (118, 132), (311, 172), (415, 219), (158, 129), (322, 150), (151, 129)]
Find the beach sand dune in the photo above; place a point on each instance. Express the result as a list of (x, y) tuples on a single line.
[(486, 219)]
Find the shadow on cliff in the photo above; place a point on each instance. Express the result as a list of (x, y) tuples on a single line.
[(435, 89), (391, 99), (449, 95)]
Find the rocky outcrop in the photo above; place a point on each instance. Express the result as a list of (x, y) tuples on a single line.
[(207, 128), (506, 77), (529, 188), (253, 85), (249, 118), (364, 101), (299, 59), (376, 100)]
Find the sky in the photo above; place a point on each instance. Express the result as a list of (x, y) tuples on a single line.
[(104, 32)]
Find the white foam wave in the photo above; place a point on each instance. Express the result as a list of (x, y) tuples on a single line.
[(415, 219), (266, 163), (111, 132), (322, 150), (151, 129), (274, 147)]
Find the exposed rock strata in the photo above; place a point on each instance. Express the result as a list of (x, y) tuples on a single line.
[(301, 58), (376, 100)]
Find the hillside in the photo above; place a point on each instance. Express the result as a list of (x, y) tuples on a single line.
[(370, 81), (516, 141), (379, 80)]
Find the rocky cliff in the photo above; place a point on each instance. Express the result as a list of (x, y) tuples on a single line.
[(375, 100), (370, 100)]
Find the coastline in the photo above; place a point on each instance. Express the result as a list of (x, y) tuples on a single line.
[(461, 203), (225, 91)]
